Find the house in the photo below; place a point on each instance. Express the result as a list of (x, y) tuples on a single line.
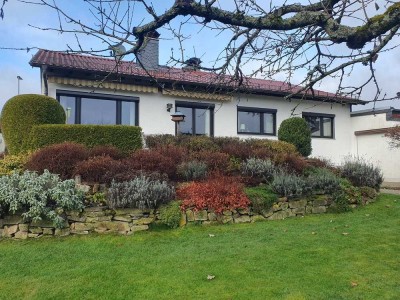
[(97, 90), (369, 140)]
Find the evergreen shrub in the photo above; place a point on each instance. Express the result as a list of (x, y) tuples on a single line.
[(297, 132), (21, 113)]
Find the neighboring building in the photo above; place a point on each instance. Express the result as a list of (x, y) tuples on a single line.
[(369, 140), (95, 90)]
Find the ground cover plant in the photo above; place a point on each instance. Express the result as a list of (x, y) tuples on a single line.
[(346, 256)]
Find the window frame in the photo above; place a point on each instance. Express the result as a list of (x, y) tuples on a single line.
[(321, 116), (193, 106), (100, 96), (261, 111)]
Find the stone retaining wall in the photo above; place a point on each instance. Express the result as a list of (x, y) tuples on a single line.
[(127, 221)]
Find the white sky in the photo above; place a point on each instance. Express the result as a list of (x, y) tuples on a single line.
[(15, 32)]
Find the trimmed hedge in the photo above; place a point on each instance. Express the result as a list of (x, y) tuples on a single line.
[(22, 112), (124, 138), (297, 132)]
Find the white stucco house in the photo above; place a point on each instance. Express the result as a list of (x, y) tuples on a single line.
[(97, 90)]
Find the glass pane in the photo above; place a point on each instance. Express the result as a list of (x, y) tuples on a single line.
[(98, 111), (249, 122), (314, 123), (128, 113), (202, 121), (268, 123), (327, 123), (68, 103), (186, 126)]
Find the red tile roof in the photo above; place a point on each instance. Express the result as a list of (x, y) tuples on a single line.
[(100, 64)]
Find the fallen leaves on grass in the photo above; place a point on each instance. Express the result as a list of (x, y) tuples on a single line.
[(210, 277)]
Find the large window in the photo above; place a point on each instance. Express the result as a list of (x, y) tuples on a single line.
[(256, 121), (199, 118), (321, 125), (99, 109)]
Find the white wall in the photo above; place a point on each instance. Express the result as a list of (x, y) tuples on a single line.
[(375, 147), (2, 144), (154, 118)]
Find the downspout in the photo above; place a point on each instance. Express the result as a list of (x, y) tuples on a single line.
[(44, 78)]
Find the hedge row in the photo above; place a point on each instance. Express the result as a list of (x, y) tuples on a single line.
[(125, 138)]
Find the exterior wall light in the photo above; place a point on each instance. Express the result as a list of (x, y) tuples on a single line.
[(169, 107)]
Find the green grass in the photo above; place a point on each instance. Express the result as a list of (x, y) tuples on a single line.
[(265, 260)]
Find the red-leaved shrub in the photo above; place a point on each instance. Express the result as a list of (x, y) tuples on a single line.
[(214, 160), (106, 150), (58, 159), (100, 169), (292, 162), (218, 194)]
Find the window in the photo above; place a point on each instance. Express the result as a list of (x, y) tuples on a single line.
[(199, 118), (99, 109), (321, 125), (256, 121)]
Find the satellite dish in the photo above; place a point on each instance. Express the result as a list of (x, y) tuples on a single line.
[(118, 50)]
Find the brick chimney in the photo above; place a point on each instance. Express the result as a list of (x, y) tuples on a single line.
[(148, 54)]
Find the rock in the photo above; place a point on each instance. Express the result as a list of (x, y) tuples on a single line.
[(189, 215), (96, 188), (224, 219), (299, 211), (122, 218), (12, 220), (319, 209), (90, 209), (279, 215), (227, 213), (244, 211), (62, 231), (212, 216), (257, 218), (82, 187), (283, 199), (267, 213), (276, 207), (82, 226), (123, 227), (33, 235), (298, 204), (139, 228), (128, 211), (22, 235), (284, 205), (143, 221), (182, 221), (94, 214), (200, 215), (42, 223), (23, 227), (8, 231), (35, 230), (308, 209), (242, 219), (76, 217), (48, 231), (320, 202), (79, 232)]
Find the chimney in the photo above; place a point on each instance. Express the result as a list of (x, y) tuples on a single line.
[(148, 54)]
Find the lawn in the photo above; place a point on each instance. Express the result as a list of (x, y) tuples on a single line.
[(333, 256)]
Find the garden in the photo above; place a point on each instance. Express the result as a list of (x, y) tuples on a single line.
[(61, 179)]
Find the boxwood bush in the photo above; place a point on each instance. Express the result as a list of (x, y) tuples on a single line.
[(22, 112), (124, 138), (297, 132)]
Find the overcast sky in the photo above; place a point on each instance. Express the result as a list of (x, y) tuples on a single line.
[(15, 32)]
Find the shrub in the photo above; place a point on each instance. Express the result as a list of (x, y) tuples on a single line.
[(279, 147), (218, 194), (58, 159), (362, 173), (157, 140), (176, 154), (141, 192), (170, 214), (323, 180), (197, 143), (287, 185), (98, 169), (297, 132), (237, 150), (22, 112), (106, 150), (293, 163), (39, 196), (215, 161), (13, 163), (124, 138), (259, 168), (192, 170), (261, 198)]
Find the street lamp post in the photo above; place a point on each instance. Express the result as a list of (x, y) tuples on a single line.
[(19, 78)]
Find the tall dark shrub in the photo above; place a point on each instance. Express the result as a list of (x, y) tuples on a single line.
[(22, 112), (59, 159), (297, 132)]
